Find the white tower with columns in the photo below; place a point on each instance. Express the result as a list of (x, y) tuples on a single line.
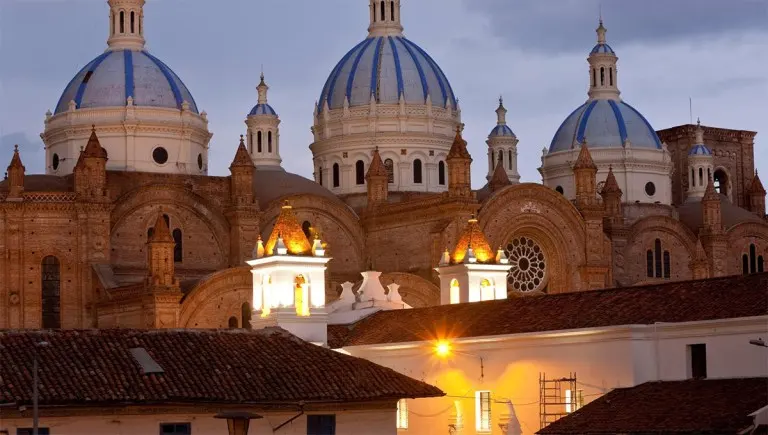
[(126, 28), (289, 281), (263, 131), (604, 82), (502, 146), (700, 166)]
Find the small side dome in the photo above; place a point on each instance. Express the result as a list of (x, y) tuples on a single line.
[(700, 150), (262, 109), (602, 49), (501, 130)]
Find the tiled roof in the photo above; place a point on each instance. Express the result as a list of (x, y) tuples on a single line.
[(707, 406), (718, 298), (93, 367)]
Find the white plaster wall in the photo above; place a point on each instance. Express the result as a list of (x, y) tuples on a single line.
[(129, 135), (377, 422), (602, 360), (633, 168)]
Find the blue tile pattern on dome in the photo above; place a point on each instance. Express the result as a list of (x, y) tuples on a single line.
[(700, 150), (602, 48), (262, 109), (605, 124), (113, 76), (501, 130), (386, 66)]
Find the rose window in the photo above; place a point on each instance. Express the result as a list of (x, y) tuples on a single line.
[(529, 266)]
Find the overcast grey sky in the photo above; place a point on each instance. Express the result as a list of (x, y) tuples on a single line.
[(531, 51)]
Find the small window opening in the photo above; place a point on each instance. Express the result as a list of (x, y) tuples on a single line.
[(232, 324), (441, 173), (336, 174), (602, 76), (360, 172), (594, 77), (122, 22), (133, 22), (392, 11), (697, 355), (417, 179), (178, 249), (383, 12), (258, 142), (509, 162), (389, 165), (610, 76), (245, 315), (320, 175), (269, 142)]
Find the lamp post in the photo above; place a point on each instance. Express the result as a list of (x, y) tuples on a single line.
[(35, 392), (238, 422), (444, 348)]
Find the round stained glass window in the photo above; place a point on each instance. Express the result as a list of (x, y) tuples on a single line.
[(529, 265)]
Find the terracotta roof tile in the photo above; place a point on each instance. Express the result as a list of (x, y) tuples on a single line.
[(717, 298), (91, 367), (707, 406)]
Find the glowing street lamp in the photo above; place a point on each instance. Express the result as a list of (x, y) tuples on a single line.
[(444, 349), (238, 422)]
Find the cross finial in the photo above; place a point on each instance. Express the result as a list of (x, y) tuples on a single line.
[(16, 148)]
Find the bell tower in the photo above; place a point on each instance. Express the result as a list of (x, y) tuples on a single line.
[(126, 25)]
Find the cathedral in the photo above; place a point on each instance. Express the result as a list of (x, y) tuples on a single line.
[(127, 229)]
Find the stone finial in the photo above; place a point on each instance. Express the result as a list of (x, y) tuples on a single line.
[(371, 288), (347, 294), (262, 89), (501, 113), (710, 194), (394, 294), (72, 106), (601, 31)]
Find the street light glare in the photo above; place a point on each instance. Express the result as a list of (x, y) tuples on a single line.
[(443, 349)]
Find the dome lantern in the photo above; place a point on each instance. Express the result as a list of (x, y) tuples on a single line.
[(126, 25), (264, 131), (603, 76), (502, 147), (385, 18)]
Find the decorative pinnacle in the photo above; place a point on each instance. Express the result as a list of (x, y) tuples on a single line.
[(501, 113), (601, 31)]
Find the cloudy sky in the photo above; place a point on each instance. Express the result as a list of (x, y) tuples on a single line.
[(531, 51)]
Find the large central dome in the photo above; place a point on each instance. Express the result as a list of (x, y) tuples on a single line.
[(386, 67)]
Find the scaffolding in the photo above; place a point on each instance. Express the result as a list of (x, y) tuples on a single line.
[(558, 398)]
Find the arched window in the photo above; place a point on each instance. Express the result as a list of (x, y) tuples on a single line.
[(760, 264), (701, 176), (250, 145), (417, 171), (133, 22), (560, 190), (383, 11), (122, 22), (610, 76), (751, 262), (658, 262), (721, 182), (745, 264), (693, 177), (51, 292), (150, 233), (320, 175), (307, 228), (455, 294), (360, 172), (501, 158), (232, 322), (602, 76), (594, 77), (509, 163), (441, 173), (392, 11), (111, 23), (389, 165), (246, 315), (269, 142), (493, 161), (258, 141), (178, 250), (336, 175)]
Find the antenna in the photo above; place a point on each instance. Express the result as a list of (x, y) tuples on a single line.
[(600, 11), (690, 109)]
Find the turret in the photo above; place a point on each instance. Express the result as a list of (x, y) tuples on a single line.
[(757, 196), (126, 24), (711, 210), (459, 161), (585, 174), (90, 172), (700, 166), (15, 175), (377, 180), (385, 18), (160, 246), (603, 76), (499, 179), (502, 147), (263, 131), (699, 262), (611, 194), (241, 181)]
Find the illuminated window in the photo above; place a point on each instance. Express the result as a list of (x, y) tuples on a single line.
[(483, 411), (455, 292), (569, 401), (573, 402), (402, 414)]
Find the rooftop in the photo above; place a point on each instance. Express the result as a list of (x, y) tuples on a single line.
[(704, 406), (685, 301), (270, 366)]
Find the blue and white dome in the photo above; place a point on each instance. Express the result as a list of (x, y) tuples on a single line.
[(602, 48), (262, 109), (386, 66), (700, 150), (605, 124), (502, 130), (115, 75)]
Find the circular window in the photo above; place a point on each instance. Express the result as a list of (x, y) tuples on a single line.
[(560, 190), (160, 155), (650, 189), (528, 263), (55, 161), (200, 161)]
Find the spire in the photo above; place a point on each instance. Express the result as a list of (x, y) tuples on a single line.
[(242, 159), (288, 231), (601, 31), (161, 232), (459, 146), (126, 25), (377, 168), (757, 186), (499, 179), (385, 18), (262, 89), (16, 174), (611, 186), (584, 161), (16, 160), (473, 241), (501, 113), (94, 149), (710, 194), (377, 180)]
